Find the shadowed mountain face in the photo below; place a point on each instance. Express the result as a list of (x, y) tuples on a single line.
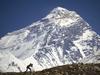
[(62, 37)]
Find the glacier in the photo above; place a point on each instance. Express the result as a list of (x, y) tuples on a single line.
[(62, 37)]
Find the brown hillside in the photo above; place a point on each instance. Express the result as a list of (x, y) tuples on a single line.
[(74, 69)]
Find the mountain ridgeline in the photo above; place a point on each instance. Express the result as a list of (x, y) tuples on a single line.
[(62, 37)]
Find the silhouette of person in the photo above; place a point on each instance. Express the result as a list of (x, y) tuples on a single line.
[(29, 67)]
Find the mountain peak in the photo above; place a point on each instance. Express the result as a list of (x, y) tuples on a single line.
[(59, 9), (62, 16)]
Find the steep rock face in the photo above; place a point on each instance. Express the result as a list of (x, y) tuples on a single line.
[(62, 37)]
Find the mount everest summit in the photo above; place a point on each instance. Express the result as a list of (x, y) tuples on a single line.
[(62, 37)]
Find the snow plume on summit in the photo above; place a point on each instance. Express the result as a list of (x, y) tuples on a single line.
[(62, 37)]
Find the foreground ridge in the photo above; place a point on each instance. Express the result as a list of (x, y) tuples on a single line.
[(74, 69)]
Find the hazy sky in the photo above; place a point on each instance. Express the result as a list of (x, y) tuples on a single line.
[(16, 14)]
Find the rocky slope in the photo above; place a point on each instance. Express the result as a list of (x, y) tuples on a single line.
[(74, 69)]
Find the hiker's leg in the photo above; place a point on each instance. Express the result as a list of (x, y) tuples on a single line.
[(30, 69), (26, 69)]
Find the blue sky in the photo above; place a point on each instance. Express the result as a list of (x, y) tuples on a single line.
[(16, 14)]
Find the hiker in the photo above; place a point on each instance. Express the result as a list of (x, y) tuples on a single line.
[(29, 67)]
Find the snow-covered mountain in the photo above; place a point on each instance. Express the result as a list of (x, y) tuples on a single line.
[(62, 37)]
